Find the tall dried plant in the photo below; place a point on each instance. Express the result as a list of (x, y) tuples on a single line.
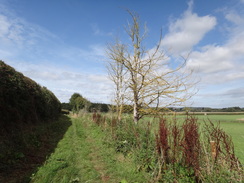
[(224, 147), (191, 144), (162, 141)]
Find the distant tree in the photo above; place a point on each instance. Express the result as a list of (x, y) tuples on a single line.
[(232, 109), (237, 109), (78, 102), (73, 98)]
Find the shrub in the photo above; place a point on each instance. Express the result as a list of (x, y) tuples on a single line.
[(24, 101), (23, 105)]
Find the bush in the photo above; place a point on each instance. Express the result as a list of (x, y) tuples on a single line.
[(22, 100), (23, 105)]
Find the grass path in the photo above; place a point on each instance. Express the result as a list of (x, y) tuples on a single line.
[(97, 162), (82, 156)]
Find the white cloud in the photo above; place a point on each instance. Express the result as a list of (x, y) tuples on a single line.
[(32, 43), (5, 25), (235, 18), (220, 66), (20, 40), (223, 97), (235, 93), (11, 31), (187, 31), (63, 82), (98, 50), (98, 32), (211, 59), (222, 63)]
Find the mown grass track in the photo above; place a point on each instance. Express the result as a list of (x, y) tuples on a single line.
[(82, 156), (69, 158)]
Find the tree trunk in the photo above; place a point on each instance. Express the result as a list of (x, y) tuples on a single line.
[(119, 112), (136, 113)]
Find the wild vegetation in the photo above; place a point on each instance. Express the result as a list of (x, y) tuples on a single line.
[(99, 148)]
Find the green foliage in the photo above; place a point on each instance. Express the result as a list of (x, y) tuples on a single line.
[(66, 106), (127, 109), (100, 107), (24, 101), (23, 104), (72, 101), (145, 154), (125, 138), (120, 151), (177, 173), (77, 102), (135, 142), (65, 111)]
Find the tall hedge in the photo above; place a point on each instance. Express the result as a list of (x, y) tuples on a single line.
[(22, 100)]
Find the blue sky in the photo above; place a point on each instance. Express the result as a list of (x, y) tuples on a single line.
[(60, 43)]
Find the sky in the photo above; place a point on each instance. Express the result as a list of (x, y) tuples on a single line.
[(61, 44)]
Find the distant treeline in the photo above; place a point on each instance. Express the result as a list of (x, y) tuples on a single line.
[(102, 107), (22, 100), (207, 109), (77, 102), (99, 107)]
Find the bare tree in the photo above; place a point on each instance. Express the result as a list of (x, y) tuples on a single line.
[(151, 83), (116, 71)]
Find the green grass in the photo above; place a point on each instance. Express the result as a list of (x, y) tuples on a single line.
[(70, 162), (82, 156), (222, 118)]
